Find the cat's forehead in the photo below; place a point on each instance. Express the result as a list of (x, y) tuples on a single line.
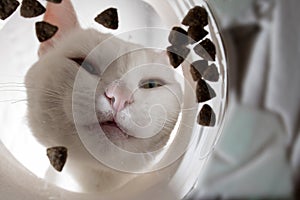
[(114, 57), (139, 61), (80, 43), (141, 57)]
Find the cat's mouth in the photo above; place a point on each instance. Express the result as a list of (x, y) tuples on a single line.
[(113, 131)]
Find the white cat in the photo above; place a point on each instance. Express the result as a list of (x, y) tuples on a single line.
[(136, 100)]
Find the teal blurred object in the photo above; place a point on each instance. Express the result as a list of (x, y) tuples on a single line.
[(250, 158), (231, 8)]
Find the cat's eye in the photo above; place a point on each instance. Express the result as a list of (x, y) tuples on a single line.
[(149, 84), (86, 65)]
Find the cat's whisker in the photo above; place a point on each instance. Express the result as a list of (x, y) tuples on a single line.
[(45, 90), (11, 83), (19, 101), (48, 92), (12, 90), (53, 97), (12, 87), (12, 100)]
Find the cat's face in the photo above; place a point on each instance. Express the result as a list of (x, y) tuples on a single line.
[(135, 100), (143, 98)]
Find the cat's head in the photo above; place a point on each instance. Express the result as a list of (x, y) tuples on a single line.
[(135, 99)]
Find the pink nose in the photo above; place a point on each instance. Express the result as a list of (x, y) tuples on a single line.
[(118, 95)]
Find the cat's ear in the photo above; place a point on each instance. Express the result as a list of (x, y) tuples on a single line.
[(64, 17)]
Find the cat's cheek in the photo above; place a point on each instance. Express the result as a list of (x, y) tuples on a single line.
[(139, 123), (67, 107), (102, 105)]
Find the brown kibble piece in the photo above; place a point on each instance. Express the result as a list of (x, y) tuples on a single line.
[(207, 116), (45, 31), (204, 92), (196, 33), (196, 16), (197, 68), (211, 73), (177, 54), (57, 157), (108, 18), (206, 49), (178, 36), (31, 8), (55, 1), (7, 8)]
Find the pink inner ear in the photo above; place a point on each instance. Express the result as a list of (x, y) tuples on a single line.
[(62, 15)]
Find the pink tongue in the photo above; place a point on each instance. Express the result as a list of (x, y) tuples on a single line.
[(113, 132)]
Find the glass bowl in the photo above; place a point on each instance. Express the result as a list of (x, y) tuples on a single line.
[(169, 172)]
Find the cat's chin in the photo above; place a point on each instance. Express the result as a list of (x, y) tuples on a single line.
[(113, 131)]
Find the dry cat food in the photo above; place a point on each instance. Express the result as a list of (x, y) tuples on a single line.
[(31, 8), (178, 36), (211, 73), (207, 116), (204, 92), (197, 16), (57, 157), (177, 54), (45, 30), (7, 8), (206, 49), (55, 1), (108, 18), (197, 69), (196, 33)]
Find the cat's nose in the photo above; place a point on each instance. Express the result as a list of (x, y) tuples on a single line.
[(119, 96)]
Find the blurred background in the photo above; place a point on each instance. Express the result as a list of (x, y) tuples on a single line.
[(258, 154)]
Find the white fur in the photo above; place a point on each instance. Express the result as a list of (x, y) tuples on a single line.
[(50, 85)]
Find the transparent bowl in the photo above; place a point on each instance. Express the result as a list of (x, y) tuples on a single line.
[(148, 23)]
